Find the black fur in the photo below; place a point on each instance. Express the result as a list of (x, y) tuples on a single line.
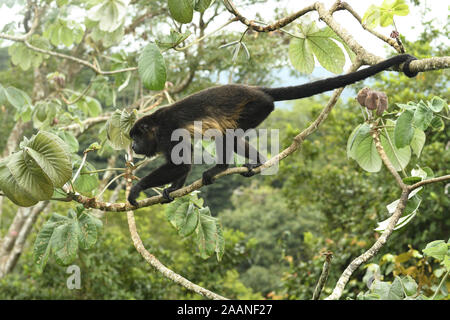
[(225, 107)]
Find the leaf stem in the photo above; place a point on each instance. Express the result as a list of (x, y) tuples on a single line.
[(440, 285), (206, 35)]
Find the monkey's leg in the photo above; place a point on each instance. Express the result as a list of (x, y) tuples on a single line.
[(167, 173), (175, 186), (243, 148), (224, 155)]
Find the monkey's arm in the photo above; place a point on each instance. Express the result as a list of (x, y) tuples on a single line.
[(167, 173)]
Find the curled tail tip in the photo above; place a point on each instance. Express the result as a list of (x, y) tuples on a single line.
[(406, 66)]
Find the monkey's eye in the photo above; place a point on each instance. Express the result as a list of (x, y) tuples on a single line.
[(144, 127)]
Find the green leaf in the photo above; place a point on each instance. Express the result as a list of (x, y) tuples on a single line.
[(446, 262), (11, 188), (418, 141), (66, 36), (172, 40), (152, 68), (437, 124), (190, 221), (17, 98), (360, 131), (86, 183), (384, 15), (381, 289), (42, 247), (372, 16), (206, 235), (404, 131), (220, 241), (301, 55), (365, 153), (109, 13), (396, 290), (423, 117), (61, 3), (437, 104), (328, 53), (70, 140), (64, 242), (176, 212), (202, 5), (29, 176), (399, 157), (181, 10), (50, 153), (88, 231), (118, 128), (409, 285), (436, 249), (94, 107)]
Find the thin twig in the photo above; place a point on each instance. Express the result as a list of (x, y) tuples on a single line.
[(428, 181), (323, 276)]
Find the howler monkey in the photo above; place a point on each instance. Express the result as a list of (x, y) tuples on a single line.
[(221, 108)]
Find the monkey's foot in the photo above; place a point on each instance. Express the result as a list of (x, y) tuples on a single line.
[(134, 194), (250, 167), (166, 195), (207, 179)]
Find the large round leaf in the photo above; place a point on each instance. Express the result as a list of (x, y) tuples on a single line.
[(366, 154), (301, 55), (361, 147), (29, 176), (328, 53), (50, 153), (11, 189), (118, 128), (152, 68)]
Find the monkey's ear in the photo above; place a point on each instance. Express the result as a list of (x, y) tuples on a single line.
[(148, 128)]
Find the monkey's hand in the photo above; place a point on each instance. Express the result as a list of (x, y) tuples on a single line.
[(250, 167), (134, 194)]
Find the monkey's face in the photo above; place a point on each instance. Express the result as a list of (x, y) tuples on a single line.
[(144, 140)]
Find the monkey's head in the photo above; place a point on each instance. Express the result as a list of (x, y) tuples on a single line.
[(144, 139)]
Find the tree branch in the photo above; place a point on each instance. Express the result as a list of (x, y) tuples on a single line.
[(369, 254), (323, 276), (271, 27), (429, 181)]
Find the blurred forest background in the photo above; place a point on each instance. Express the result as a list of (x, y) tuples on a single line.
[(275, 227)]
